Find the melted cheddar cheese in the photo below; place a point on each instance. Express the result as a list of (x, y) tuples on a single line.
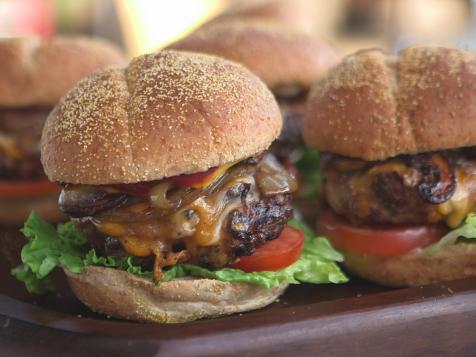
[(215, 176), (8, 146), (198, 224), (352, 190), (463, 201)]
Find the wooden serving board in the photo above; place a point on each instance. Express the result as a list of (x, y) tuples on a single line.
[(348, 320)]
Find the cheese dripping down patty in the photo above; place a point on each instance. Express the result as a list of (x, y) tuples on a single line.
[(199, 224), (463, 201), (188, 227)]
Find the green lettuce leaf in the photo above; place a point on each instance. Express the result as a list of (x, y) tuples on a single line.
[(310, 173), (66, 247), (319, 247), (317, 265), (32, 282), (117, 263), (49, 247), (466, 230)]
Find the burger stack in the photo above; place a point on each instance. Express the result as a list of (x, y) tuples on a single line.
[(398, 133), (179, 171), (36, 73), (177, 209)]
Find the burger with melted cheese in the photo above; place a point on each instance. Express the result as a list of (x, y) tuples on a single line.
[(35, 74), (289, 61), (165, 174), (399, 167)]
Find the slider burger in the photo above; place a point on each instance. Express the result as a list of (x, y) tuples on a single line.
[(166, 176), (35, 74), (399, 167), (287, 60)]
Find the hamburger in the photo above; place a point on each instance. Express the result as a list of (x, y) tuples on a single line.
[(178, 211), (35, 74), (397, 137), (289, 61)]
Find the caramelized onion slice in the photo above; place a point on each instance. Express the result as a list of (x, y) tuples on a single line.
[(134, 212), (158, 195), (274, 179)]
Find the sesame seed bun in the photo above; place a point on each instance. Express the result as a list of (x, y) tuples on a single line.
[(374, 106), (123, 295), (166, 114), (416, 268), (277, 54), (37, 72)]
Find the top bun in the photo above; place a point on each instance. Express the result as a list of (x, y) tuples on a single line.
[(298, 14), (373, 106), (166, 114), (38, 72), (275, 53)]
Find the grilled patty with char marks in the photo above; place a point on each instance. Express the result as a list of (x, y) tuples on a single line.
[(210, 227), (20, 133), (405, 190)]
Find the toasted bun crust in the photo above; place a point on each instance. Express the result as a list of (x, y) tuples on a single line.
[(373, 106), (275, 53), (166, 114), (298, 14), (14, 212), (418, 268), (123, 295), (39, 71)]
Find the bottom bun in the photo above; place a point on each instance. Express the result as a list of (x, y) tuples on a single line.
[(123, 295), (417, 268)]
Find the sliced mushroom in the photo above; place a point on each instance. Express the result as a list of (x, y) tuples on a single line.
[(86, 201)]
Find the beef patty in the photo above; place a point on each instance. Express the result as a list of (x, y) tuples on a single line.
[(20, 133), (409, 189), (247, 206)]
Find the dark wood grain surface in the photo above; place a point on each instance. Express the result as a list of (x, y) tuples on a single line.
[(328, 320)]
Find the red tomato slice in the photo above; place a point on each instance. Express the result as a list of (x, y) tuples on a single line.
[(135, 189), (376, 241), (193, 179), (183, 181), (18, 189), (274, 255)]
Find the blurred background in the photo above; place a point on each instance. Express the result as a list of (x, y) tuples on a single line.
[(141, 26)]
